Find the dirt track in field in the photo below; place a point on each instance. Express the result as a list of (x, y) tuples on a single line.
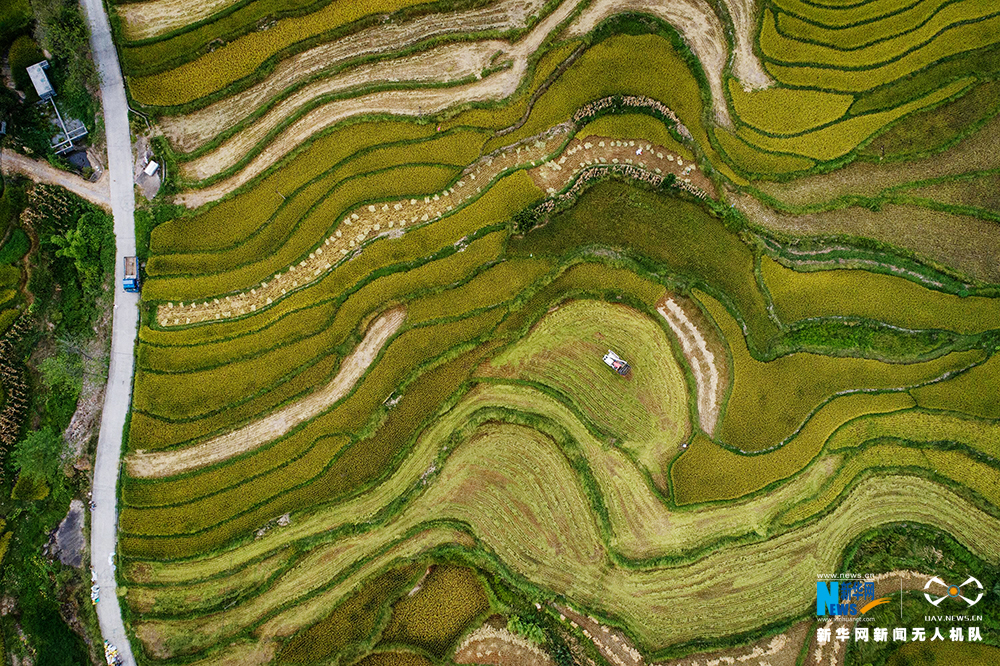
[(192, 130), (703, 363), (694, 19), (43, 172), (159, 464), (397, 102), (141, 20), (360, 225), (489, 645)]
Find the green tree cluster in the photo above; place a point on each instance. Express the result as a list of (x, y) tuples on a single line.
[(87, 246)]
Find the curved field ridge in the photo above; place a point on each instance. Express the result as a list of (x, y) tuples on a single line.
[(167, 463), (645, 412), (413, 103), (519, 495), (697, 23), (192, 130)]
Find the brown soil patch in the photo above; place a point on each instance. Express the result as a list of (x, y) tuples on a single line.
[(141, 20), (498, 646), (557, 173), (276, 424), (780, 650), (746, 65), (361, 225), (497, 86), (42, 172), (704, 353), (698, 25), (192, 130)]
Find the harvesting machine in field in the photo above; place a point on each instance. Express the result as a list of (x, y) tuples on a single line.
[(617, 363)]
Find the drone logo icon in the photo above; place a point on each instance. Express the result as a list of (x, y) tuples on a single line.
[(953, 591)]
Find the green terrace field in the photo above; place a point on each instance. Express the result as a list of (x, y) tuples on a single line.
[(371, 421)]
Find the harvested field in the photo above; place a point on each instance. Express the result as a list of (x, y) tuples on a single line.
[(489, 645), (645, 412), (233, 60), (447, 67), (980, 151), (553, 177), (631, 125), (362, 229), (276, 424), (142, 20), (780, 650)]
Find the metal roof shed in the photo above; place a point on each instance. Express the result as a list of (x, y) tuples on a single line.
[(40, 80)]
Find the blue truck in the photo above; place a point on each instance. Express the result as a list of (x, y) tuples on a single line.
[(131, 280)]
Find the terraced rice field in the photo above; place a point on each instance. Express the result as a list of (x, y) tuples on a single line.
[(371, 420)]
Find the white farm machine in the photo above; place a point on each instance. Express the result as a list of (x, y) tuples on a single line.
[(616, 363)]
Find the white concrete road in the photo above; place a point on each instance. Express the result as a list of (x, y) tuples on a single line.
[(104, 520)]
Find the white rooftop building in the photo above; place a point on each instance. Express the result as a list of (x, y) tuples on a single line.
[(40, 80)]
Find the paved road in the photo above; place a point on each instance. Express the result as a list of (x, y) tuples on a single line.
[(104, 523), (43, 172)]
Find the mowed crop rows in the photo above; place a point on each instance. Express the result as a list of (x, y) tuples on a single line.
[(370, 413)]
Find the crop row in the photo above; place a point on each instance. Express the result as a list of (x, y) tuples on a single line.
[(832, 14), (321, 477), (841, 73), (230, 222), (235, 60), (377, 174), (833, 141), (866, 45)]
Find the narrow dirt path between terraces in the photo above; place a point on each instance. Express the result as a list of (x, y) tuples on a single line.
[(159, 464), (43, 172)]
